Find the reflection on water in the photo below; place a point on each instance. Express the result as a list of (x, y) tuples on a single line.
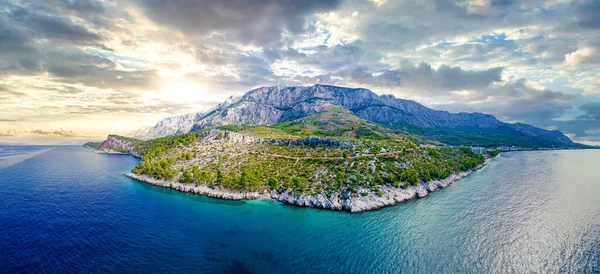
[(13, 155)]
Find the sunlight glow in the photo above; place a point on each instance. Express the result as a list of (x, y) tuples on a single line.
[(182, 91)]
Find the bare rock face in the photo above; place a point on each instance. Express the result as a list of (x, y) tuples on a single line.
[(228, 136), (117, 145), (169, 126), (270, 105)]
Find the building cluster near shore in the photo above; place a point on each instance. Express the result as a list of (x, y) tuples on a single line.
[(484, 150), (479, 150)]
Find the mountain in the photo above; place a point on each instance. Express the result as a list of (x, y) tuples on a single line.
[(320, 146), (272, 105), (168, 126)]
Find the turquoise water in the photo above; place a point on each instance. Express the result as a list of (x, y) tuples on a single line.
[(70, 210)]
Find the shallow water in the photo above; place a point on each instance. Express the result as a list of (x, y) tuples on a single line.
[(70, 210)]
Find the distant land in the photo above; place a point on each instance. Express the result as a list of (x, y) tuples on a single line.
[(13, 144), (322, 146)]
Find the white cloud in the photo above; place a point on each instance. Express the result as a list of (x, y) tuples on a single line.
[(378, 3), (592, 131), (583, 55)]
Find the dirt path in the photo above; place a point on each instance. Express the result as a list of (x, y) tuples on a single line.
[(333, 158)]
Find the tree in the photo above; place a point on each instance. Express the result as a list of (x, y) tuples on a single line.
[(186, 177), (224, 179), (273, 183), (340, 177), (413, 178), (299, 183), (249, 181)]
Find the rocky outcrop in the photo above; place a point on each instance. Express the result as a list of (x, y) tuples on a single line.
[(202, 190), (179, 124), (393, 195), (115, 144), (233, 137), (358, 203)]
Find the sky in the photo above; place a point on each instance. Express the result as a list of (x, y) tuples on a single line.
[(79, 70)]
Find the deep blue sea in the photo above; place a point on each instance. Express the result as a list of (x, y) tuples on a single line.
[(70, 210)]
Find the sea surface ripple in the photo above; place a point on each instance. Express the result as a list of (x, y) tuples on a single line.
[(70, 210)]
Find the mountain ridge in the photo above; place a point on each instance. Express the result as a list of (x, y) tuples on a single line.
[(275, 104)]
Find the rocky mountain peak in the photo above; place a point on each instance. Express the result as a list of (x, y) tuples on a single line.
[(274, 104)]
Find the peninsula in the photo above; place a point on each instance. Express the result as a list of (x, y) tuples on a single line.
[(319, 146)]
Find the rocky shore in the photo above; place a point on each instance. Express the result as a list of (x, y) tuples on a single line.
[(372, 201)]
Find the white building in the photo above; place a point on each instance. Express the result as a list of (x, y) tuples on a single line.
[(479, 150)]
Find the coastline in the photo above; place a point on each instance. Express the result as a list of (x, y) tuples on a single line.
[(118, 153), (391, 195)]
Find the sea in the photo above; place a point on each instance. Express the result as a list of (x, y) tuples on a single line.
[(65, 209)]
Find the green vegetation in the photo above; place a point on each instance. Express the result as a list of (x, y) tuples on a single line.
[(338, 124), (493, 153), (92, 145), (353, 156), (485, 137)]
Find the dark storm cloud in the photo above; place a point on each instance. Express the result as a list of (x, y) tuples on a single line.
[(91, 70), (257, 21), (585, 130), (587, 14), (447, 77), (83, 6), (592, 112), (422, 77), (17, 51), (335, 57), (518, 101), (29, 28), (51, 26)]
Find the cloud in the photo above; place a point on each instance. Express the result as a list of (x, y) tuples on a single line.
[(83, 6), (95, 71), (583, 55), (50, 26), (421, 78), (19, 56), (446, 77), (513, 101), (52, 132), (61, 61), (30, 29), (254, 21), (592, 111), (586, 14), (592, 131), (8, 133), (378, 3)]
